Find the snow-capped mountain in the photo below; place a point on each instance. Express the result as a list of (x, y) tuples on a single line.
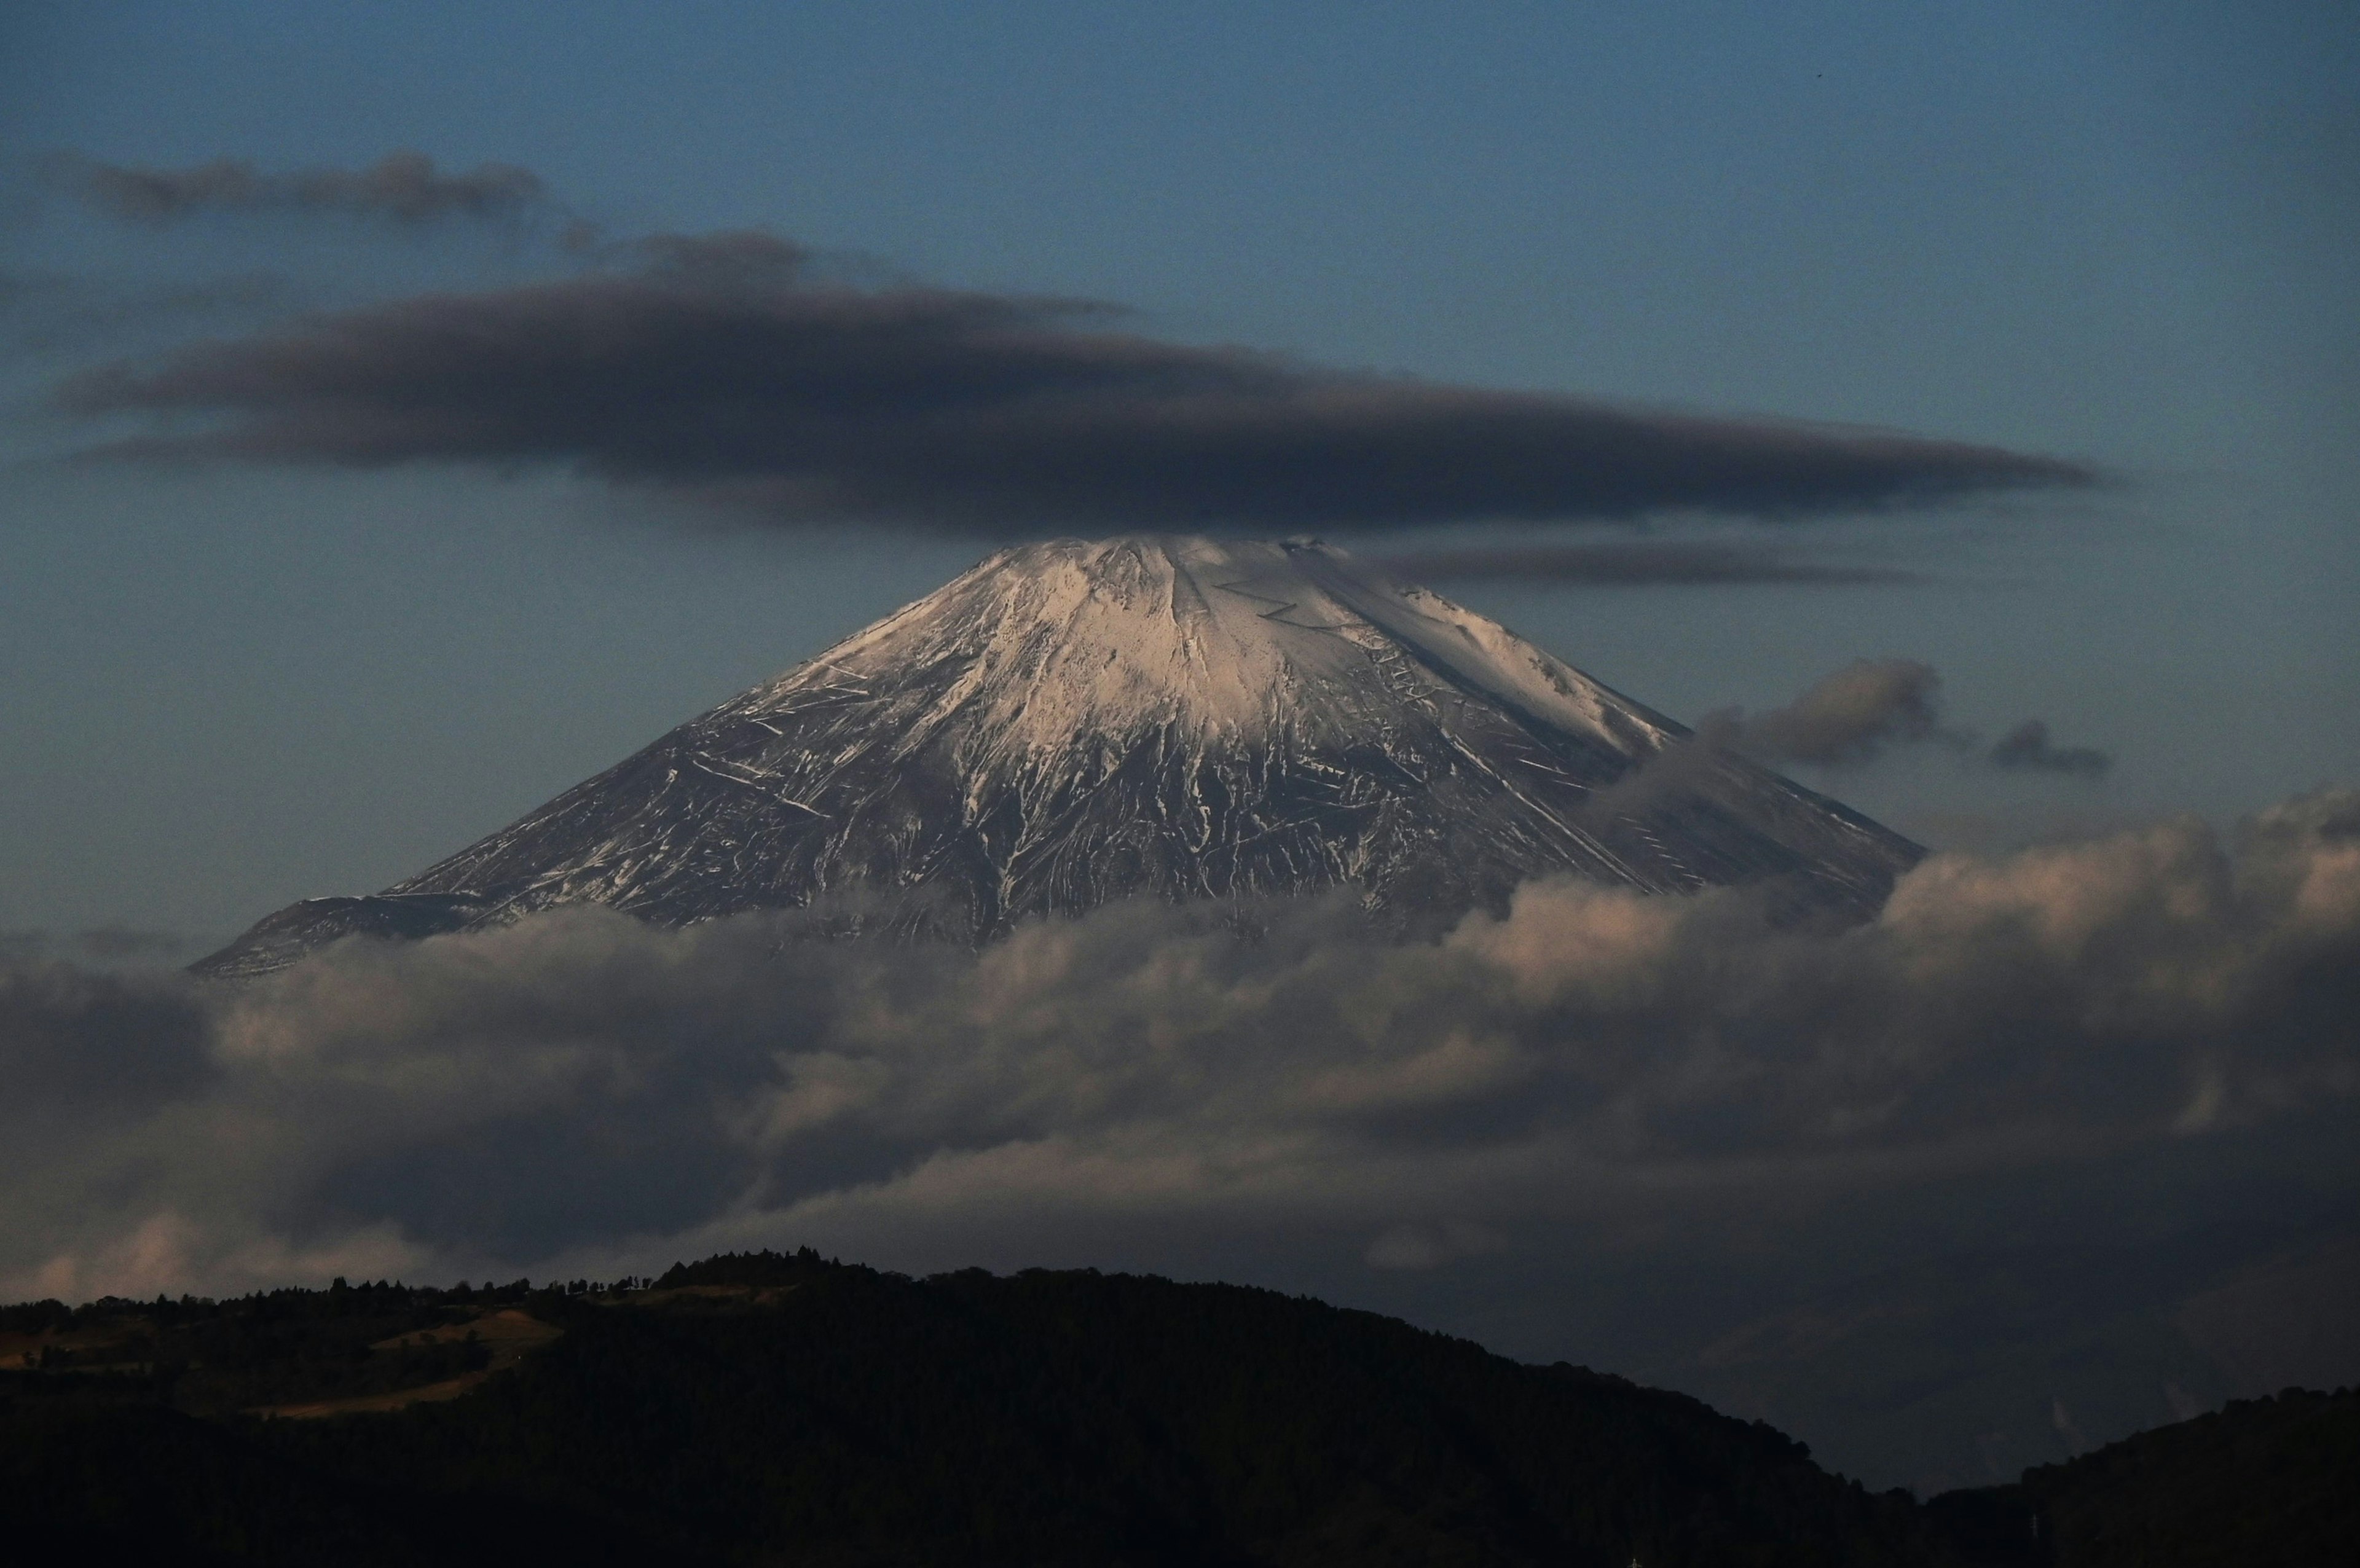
[(1071, 723)]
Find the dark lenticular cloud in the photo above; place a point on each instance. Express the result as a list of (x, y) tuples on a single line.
[(721, 370), (1628, 565), (403, 186)]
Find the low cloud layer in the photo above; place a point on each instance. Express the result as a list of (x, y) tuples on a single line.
[(718, 367), (1629, 565), (402, 187), (579, 1087)]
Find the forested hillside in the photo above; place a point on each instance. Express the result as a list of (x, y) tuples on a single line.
[(775, 1408)]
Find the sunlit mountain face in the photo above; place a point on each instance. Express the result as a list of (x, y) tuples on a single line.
[(1072, 723)]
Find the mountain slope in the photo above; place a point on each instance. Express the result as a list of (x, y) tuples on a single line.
[(1070, 722)]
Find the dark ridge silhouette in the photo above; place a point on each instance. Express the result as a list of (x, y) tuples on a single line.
[(2274, 1481), (773, 1408)]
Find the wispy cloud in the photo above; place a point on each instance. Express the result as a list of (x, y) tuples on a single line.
[(1631, 565), (1873, 705), (721, 367), (102, 944), (1850, 717), (2027, 748), (402, 187), (54, 312)]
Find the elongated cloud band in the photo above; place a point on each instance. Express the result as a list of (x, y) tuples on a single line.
[(718, 368), (405, 187), (1667, 563)]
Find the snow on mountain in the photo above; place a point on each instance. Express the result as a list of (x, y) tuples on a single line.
[(1072, 722)]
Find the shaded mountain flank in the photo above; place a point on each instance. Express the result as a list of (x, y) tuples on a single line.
[(1071, 723), (776, 1408)]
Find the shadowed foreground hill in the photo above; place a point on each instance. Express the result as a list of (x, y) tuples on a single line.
[(2264, 1481), (787, 1410)]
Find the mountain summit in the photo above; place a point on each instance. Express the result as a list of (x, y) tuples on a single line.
[(1071, 723)]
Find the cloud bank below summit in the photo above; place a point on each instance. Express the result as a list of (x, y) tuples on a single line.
[(723, 367), (579, 1086)]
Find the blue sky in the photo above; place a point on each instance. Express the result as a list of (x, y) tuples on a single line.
[(2123, 235)]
